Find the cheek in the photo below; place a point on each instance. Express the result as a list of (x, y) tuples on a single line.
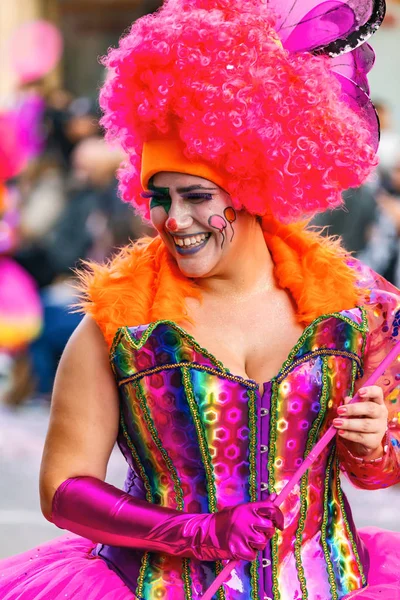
[(158, 217), (203, 212)]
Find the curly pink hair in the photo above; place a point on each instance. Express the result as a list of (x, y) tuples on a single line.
[(217, 78)]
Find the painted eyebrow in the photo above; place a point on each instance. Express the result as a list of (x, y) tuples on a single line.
[(162, 191), (191, 188)]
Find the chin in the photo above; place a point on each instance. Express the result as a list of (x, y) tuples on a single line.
[(189, 268)]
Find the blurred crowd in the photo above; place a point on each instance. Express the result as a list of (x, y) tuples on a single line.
[(369, 221), (61, 209)]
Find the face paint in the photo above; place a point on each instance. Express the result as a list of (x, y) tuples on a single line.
[(203, 214), (171, 224), (230, 215), (219, 223), (158, 196)]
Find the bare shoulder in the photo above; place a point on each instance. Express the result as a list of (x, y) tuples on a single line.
[(84, 366), (87, 336)]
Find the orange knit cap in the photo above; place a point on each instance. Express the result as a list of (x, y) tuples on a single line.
[(168, 155)]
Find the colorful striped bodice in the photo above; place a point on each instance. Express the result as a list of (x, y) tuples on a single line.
[(199, 438)]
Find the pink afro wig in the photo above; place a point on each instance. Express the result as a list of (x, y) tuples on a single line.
[(214, 74)]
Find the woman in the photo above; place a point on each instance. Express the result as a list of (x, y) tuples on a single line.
[(235, 339)]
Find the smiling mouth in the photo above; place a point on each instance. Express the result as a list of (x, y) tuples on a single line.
[(190, 244)]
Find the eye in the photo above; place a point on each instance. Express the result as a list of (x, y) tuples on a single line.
[(199, 196)]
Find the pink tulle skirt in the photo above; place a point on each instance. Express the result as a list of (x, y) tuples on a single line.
[(65, 568), (62, 569)]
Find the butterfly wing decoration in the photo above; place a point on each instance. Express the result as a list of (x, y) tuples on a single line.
[(351, 70), (329, 27), (339, 29)]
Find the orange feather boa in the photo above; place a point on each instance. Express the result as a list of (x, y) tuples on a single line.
[(142, 283)]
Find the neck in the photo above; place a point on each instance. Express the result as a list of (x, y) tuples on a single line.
[(250, 269)]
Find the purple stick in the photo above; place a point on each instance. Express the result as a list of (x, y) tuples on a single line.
[(306, 464)]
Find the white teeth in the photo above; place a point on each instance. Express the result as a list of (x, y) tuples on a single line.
[(190, 241)]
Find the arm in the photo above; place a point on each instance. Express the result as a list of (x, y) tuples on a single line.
[(365, 445), (105, 514), (369, 448), (84, 414), (83, 429), (371, 474)]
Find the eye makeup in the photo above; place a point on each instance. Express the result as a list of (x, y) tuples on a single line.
[(158, 196), (163, 201), (197, 196), (151, 195)]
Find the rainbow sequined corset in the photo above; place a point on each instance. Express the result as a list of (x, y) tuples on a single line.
[(198, 438)]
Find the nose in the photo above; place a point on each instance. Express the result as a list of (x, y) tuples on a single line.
[(179, 217), (171, 224)]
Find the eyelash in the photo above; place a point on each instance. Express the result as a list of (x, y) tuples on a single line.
[(194, 196), (198, 196)]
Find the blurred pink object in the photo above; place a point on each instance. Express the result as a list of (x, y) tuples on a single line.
[(21, 135), (13, 154), (9, 220), (29, 115), (20, 307), (35, 49)]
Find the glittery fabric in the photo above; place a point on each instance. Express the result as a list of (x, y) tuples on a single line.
[(192, 427), (306, 557)]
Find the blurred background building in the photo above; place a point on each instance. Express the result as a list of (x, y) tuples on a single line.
[(60, 205), (88, 27)]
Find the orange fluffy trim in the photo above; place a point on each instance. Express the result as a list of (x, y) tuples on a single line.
[(312, 268), (143, 284)]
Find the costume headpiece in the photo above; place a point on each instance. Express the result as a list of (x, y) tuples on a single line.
[(165, 154), (270, 95)]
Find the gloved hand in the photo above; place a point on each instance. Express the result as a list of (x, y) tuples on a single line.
[(234, 533), (96, 510)]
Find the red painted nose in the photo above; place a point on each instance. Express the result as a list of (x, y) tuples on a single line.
[(171, 224)]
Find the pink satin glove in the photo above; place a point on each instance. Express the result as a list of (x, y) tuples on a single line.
[(98, 511), (238, 532)]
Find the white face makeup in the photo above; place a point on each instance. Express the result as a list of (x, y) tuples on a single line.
[(196, 221)]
